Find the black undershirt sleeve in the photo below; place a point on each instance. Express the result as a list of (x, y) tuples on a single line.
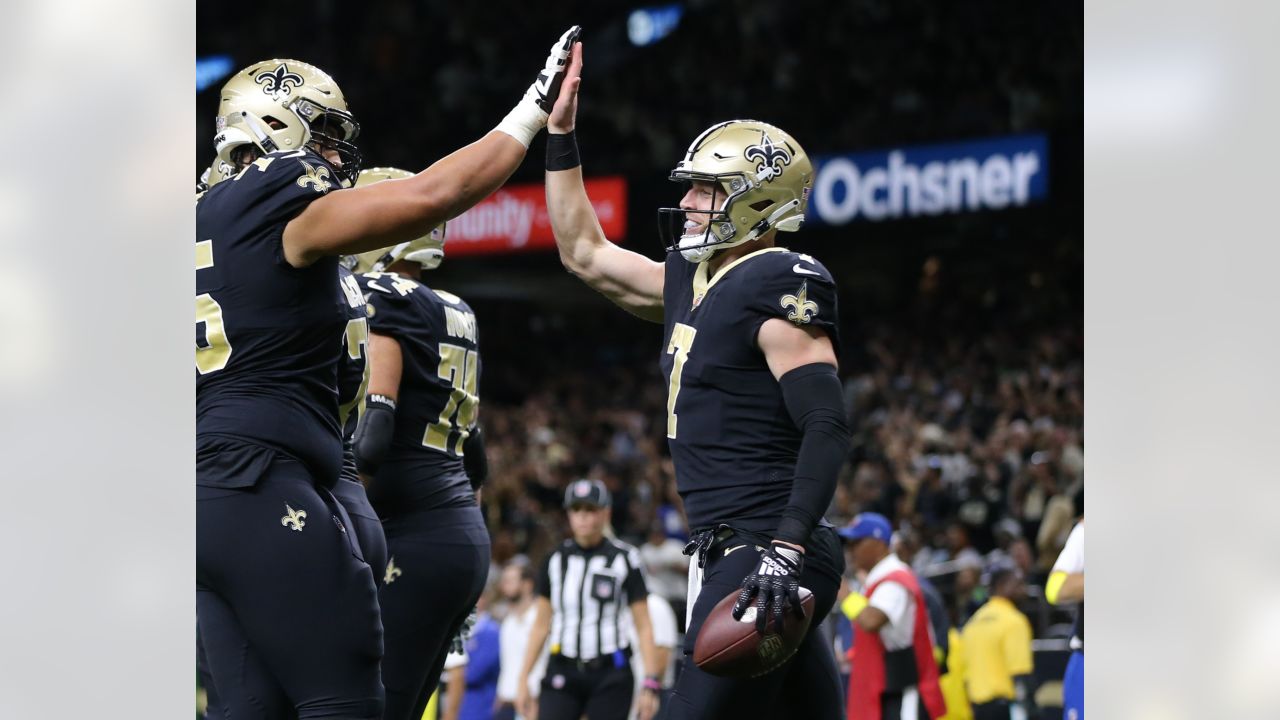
[(373, 434), (813, 396), (474, 460)]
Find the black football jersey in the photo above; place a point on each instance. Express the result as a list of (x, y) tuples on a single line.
[(438, 398), (353, 368), (267, 334), (733, 443)]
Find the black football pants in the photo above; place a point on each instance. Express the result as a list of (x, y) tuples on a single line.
[(368, 528), (439, 561), (807, 686), (373, 546), (287, 607), (568, 692)]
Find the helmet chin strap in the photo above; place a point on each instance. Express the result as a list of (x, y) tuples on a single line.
[(702, 253)]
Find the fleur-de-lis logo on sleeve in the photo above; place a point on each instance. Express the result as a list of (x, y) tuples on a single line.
[(280, 81), (802, 308), (392, 572), (295, 519), (316, 177)]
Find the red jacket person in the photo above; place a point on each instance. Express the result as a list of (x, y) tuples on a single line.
[(893, 673)]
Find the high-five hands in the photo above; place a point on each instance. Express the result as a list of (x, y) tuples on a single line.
[(530, 114)]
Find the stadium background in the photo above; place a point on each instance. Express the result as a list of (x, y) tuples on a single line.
[(962, 333)]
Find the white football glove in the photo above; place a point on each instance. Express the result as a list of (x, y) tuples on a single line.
[(530, 114)]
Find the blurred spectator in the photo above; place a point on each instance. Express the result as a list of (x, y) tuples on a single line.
[(666, 637), (515, 585), (667, 566), (446, 701), (1066, 587), (1055, 526), (997, 647), (483, 666)]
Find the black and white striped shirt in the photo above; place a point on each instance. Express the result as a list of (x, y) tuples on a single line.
[(588, 589)]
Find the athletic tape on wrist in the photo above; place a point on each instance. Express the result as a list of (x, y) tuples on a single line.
[(562, 152), (524, 121)]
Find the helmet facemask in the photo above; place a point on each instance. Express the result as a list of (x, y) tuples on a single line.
[(332, 129)]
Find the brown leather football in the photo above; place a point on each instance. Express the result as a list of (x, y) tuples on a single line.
[(733, 648)]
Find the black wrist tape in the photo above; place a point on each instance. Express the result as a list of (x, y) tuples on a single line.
[(562, 152)]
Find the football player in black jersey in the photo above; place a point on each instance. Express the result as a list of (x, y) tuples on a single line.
[(353, 376), (287, 606), (421, 452), (754, 415)]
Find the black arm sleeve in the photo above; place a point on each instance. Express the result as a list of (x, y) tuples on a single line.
[(474, 460), (372, 437), (813, 397)]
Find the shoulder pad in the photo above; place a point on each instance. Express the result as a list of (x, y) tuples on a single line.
[(279, 185), (389, 304), (797, 288)]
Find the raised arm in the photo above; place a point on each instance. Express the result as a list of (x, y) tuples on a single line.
[(631, 280), (386, 213)]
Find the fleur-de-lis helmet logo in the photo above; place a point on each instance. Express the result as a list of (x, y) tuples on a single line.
[(802, 308), (280, 81), (295, 519), (771, 159)]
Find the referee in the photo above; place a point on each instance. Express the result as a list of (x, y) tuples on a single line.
[(580, 591)]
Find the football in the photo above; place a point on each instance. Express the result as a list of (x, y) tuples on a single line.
[(733, 648)]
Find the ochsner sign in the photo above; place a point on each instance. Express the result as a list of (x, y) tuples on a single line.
[(929, 180)]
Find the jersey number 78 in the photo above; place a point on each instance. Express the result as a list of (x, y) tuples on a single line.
[(460, 367)]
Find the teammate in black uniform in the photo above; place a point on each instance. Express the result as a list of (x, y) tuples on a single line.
[(423, 457), (287, 607), (754, 416), (353, 376)]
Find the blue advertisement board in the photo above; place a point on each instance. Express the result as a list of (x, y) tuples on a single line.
[(989, 174)]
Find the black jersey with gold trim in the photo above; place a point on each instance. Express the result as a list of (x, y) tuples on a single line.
[(438, 398), (267, 334), (353, 368), (733, 443)]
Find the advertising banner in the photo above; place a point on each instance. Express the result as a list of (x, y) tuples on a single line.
[(902, 182), (514, 219)]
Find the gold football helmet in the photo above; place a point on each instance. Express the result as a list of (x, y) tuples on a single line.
[(214, 174), (427, 250), (765, 176), (285, 105)]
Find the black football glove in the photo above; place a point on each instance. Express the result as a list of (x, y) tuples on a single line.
[(458, 645), (775, 582), (529, 115), (547, 86)]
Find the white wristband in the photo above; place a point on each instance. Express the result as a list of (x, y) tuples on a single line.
[(525, 120)]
